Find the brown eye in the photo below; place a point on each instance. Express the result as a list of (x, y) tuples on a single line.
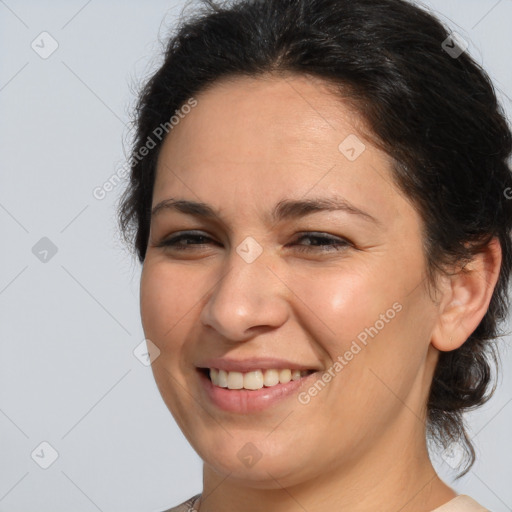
[(321, 242), (185, 241)]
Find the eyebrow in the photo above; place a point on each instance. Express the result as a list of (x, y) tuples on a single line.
[(283, 210)]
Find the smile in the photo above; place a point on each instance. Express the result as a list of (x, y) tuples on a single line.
[(251, 391), (255, 380)]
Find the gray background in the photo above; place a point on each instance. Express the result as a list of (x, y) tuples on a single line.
[(69, 324)]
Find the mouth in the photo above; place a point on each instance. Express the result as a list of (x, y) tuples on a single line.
[(253, 380), (252, 391)]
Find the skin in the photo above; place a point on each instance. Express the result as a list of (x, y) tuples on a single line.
[(359, 444)]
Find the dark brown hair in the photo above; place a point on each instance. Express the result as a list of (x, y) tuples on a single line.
[(434, 112)]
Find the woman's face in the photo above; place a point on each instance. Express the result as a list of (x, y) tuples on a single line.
[(302, 255)]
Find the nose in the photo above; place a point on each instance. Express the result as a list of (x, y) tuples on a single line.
[(247, 300)]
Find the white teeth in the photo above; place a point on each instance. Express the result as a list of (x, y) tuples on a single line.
[(285, 376), (271, 377), (235, 380), (222, 379), (254, 380)]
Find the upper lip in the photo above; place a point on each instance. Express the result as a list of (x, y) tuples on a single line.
[(251, 364)]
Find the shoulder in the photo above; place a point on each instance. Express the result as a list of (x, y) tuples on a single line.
[(186, 506), (461, 503)]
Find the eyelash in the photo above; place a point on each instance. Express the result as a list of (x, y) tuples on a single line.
[(336, 243)]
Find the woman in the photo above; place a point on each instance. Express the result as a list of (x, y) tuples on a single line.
[(318, 198)]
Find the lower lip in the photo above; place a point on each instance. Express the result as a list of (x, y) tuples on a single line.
[(244, 400)]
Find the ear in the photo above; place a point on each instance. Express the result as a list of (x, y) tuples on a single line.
[(466, 297)]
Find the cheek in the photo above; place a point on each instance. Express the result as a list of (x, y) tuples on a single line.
[(167, 301), (153, 303), (379, 347), (375, 318), (344, 303)]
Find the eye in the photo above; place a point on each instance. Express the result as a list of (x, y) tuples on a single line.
[(321, 242), (184, 241), (318, 242)]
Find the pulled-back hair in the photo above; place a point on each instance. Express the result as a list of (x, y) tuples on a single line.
[(435, 113)]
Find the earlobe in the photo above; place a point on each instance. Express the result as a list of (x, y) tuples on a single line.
[(466, 298)]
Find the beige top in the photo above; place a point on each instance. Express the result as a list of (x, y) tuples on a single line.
[(461, 503)]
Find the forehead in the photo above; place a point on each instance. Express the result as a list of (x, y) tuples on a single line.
[(272, 137), (268, 117)]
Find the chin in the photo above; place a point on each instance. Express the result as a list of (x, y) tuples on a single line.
[(254, 465)]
